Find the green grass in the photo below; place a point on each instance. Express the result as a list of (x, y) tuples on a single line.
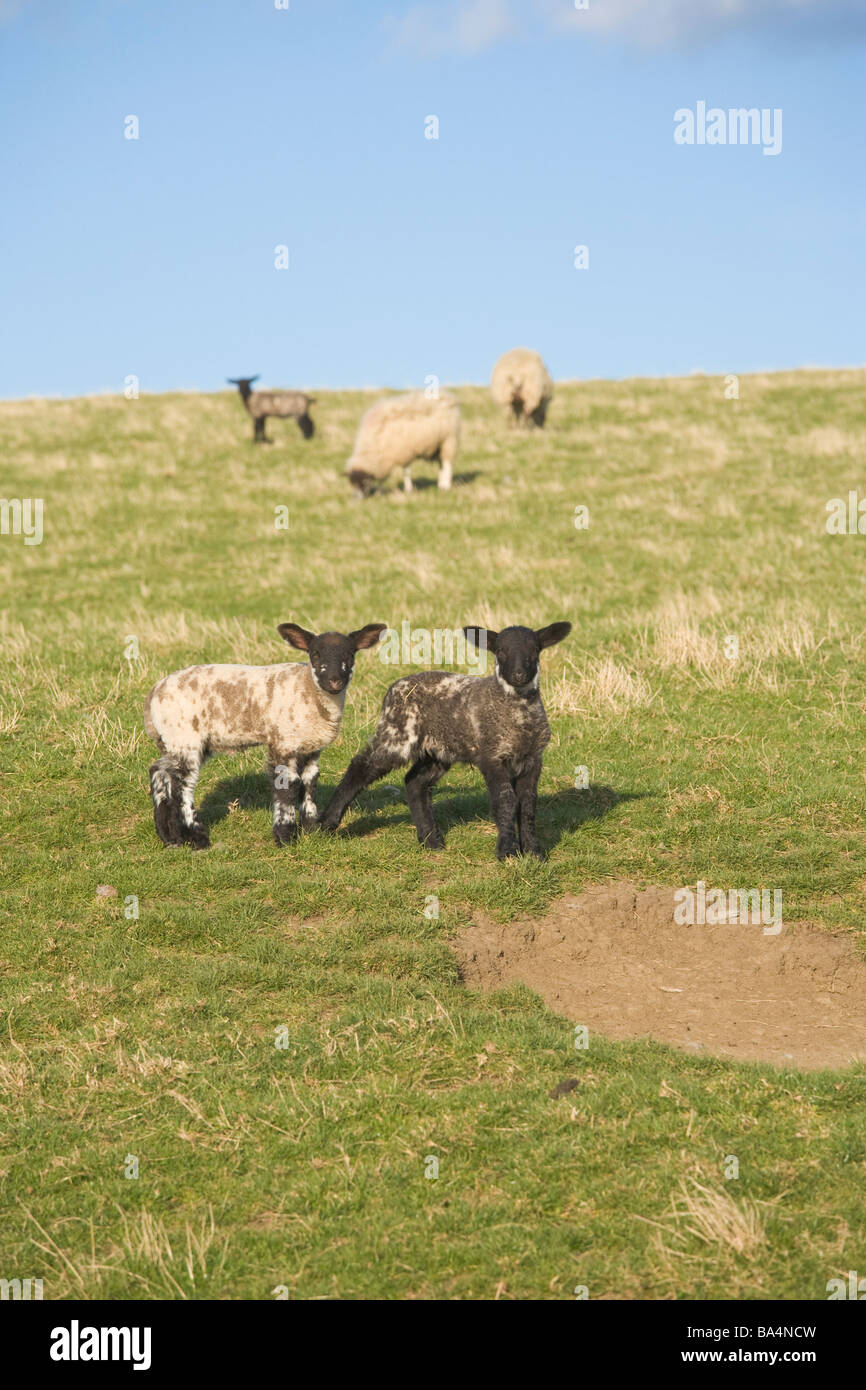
[(155, 1036)]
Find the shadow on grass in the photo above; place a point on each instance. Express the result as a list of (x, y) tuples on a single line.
[(459, 480), (248, 789), (420, 484), (385, 805), (557, 814)]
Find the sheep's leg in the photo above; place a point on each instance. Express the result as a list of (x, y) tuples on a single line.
[(165, 791), (309, 779), (419, 782), (503, 804), (192, 830), (259, 430), (365, 768), (407, 478), (446, 468), (526, 791), (286, 785)]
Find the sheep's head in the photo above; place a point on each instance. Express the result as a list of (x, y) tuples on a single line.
[(517, 650), (306, 426), (243, 383), (332, 654)]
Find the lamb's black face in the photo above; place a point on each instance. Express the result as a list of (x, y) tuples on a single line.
[(332, 659), (332, 654), (517, 651)]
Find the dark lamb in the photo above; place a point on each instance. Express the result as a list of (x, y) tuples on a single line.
[(286, 405), (497, 723)]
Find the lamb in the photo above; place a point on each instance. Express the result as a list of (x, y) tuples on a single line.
[(294, 708), (521, 384), (287, 405), (497, 723), (399, 429)]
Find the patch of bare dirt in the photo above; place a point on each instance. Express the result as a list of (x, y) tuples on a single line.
[(615, 959)]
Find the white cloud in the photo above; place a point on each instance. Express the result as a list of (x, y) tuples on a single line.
[(662, 23), (468, 26), (464, 26)]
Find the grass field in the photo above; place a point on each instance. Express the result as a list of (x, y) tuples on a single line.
[(154, 1036)]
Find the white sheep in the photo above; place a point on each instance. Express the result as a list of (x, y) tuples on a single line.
[(521, 384), (294, 708), (400, 429)]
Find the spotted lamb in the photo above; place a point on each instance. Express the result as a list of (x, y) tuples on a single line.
[(294, 708), (497, 723)]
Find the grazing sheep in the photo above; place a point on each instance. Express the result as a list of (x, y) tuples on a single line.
[(287, 405), (400, 429), (496, 722), (294, 708), (521, 384)]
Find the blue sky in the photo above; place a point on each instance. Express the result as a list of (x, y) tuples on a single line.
[(305, 127)]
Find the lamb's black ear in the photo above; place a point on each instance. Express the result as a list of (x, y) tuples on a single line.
[(555, 632), (296, 636), (482, 637), (367, 636)]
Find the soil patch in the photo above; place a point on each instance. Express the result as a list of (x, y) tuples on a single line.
[(614, 959)]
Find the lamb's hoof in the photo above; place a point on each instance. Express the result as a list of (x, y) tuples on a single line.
[(285, 834), (508, 852), (327, 824), (167, 823), (533, 853), (432, 842), (196, 836)]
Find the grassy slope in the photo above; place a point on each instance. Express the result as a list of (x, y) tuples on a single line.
[(155, 1037)]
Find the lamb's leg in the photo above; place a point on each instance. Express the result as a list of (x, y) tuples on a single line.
[(407, 478), (419, 782), (365, 768), (309, 778), (286, 785), (192, 830), (503, 804), (446, 467), (165, 791), (259, 430), (526, 791)]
